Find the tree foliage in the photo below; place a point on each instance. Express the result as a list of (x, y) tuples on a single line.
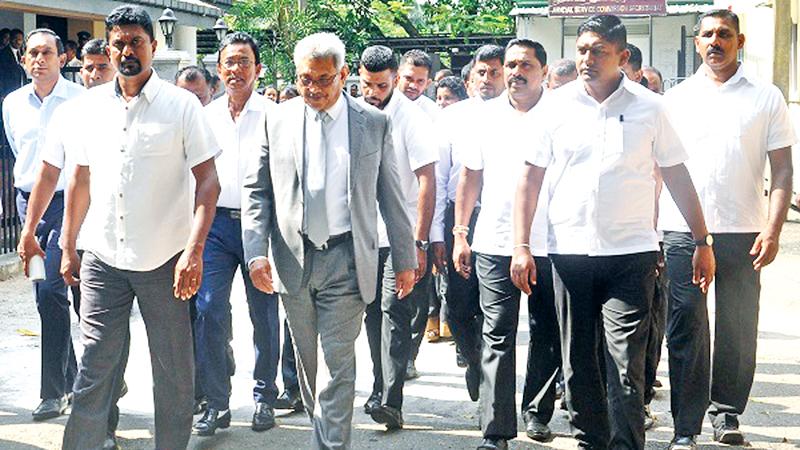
[(279, 24)]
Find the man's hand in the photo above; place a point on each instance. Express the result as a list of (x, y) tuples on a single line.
[(766, 246), (261, 274), (70, 266), (703, 267), (462, 257), (404, 282), (523, 270), (188, 273), (27, 248), (439, 258), (422, 264)]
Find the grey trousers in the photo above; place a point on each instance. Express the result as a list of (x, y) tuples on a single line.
[(327, 309), (605, 300), (107, 297), (499, 300)]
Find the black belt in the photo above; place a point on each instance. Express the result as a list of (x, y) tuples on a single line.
[(332, 241), (235, 214)]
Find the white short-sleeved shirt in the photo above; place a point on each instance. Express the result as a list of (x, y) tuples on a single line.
[(457, 126), (26, 120), (429, 106), (600, 159), (727, 131), (238, 141), (140, 160), (414, 147), (61, 140), (500, 154)]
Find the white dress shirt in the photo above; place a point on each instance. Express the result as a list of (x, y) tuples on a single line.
[(429, 106), (727, 131), (337, 162), (500, 154), (414, 147), (457, 126), (26, 120), (238, 140), (600, 160), (140, 157)]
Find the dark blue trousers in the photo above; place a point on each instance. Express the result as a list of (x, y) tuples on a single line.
[(289, 362), (222, 256), (58, 356)]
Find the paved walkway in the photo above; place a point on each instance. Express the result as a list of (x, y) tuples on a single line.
[(438, 412)]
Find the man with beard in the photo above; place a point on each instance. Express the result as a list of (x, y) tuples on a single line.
[(458, 124), (26, 113), (59, 143), (599, 139), (727, 154), (236, 119), (388, 319), (413, 79), (490, 171), (130, 192)]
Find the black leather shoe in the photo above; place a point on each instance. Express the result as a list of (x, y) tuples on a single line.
[(50, 408), (373, 402), (683, 443), (289, 400), (263, 417), (210, 421), (391, 417), (493, 444), (200, 405), (473, 378), (538, 431), (111, 442), (649, 418)]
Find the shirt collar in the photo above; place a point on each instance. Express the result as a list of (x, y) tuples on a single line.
[(256, 103), (732, 81), (626, 84), (149, 91), (59, 90), (394, 101), (505, 98), (334, 111)]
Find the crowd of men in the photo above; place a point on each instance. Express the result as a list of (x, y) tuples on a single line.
[(521, 177)]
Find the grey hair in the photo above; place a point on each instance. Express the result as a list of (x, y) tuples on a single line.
[(320, 45)]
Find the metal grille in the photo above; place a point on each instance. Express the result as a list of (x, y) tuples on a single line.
[(9, 220)]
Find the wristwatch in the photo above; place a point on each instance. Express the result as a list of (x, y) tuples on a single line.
[(707, 241), (423, 245)]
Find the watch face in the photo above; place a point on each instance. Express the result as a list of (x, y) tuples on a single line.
[(709, 240)]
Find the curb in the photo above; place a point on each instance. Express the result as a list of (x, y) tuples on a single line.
[(10, 266)]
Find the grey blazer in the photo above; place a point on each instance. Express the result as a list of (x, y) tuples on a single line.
[(272, 196)]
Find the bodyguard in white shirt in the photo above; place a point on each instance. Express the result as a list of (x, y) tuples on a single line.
[(58, 156), (727, 153), (26, 117), (413, 79), (458, 126), (389, 321), (599, 139), (143, 233), (491, 170), (237, 121)]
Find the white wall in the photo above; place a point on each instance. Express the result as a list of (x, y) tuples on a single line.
[(544, 30), (10, 19)]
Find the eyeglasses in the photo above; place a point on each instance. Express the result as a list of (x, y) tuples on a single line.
[(244, 63), (323, 81)]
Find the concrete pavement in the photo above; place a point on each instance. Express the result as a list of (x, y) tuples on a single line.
[(438, 412)]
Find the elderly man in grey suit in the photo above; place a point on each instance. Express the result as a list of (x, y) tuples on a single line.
[(312, 193)]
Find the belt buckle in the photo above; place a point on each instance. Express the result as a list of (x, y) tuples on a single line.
[(323, 247), (236, 214)]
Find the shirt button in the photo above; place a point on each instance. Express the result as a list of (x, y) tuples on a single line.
[(120, 194), (120, 217), (121, 239)]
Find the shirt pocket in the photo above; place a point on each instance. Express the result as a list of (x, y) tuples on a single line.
[(156, 139)]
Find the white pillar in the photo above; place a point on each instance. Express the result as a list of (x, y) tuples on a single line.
[(28, 22)]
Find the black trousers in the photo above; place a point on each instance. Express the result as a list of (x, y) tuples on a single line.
[(463, 299), (372, 323), (605, 299), (544, 348), (737, 286), (658, 326)]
